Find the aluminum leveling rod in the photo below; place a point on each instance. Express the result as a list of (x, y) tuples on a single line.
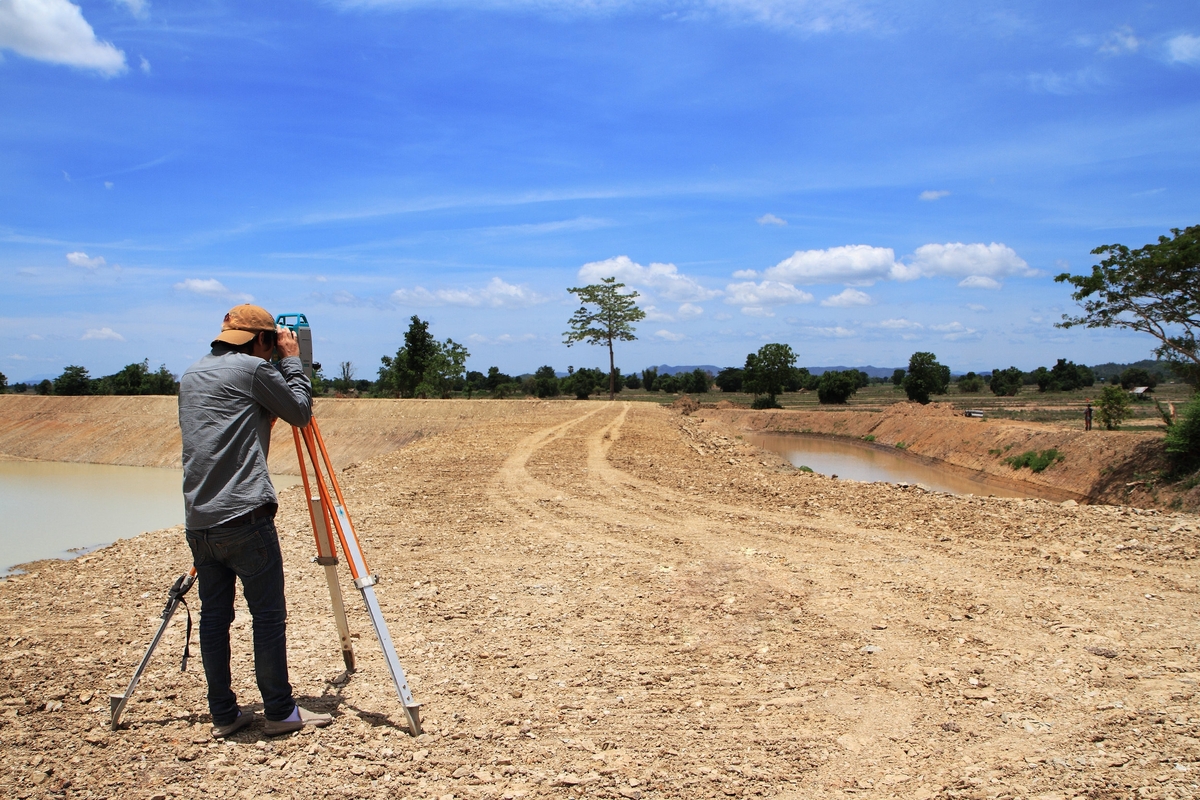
[(314, 443)]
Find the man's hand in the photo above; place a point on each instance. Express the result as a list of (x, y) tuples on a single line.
[(285, 342)]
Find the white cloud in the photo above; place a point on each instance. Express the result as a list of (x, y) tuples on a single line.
[(956, 259), (18, 357), (955, 331), (767, 293), (976, 307), (102, 333), (80, 259), (847, 298), (669, 336), (933, 194), (108, 184), (666, 279), (496, 294), (144, 66), (979, 282), (689, 311), (837, 332), (211, 288), (1120, 41), (858, 264), (746, 274), (55, 31), (757, 311), (654, 314), (1184, 48), (771, 219), (898, 324)]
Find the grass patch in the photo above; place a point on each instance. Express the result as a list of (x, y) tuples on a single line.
[(803, 468), (995, 452), (901, 446), (870, 437), (1034, 460)]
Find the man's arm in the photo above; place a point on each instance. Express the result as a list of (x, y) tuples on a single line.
[(285, 390)]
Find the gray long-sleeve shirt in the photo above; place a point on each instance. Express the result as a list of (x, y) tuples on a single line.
[(226, 402)]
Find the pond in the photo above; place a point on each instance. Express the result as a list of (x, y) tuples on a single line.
[(58, 510), (859, 463)]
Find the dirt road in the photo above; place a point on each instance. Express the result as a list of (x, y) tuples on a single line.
[(613, 600)]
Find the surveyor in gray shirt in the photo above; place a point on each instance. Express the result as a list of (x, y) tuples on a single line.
[(228, 401)]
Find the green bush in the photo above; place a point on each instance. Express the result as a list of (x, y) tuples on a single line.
[(835, 388), (1113, 407), (901, 445), (765, 401), (870, 437), (1034, 460), (803, 468), (925, 377), (1183, 438), (1006, 382)]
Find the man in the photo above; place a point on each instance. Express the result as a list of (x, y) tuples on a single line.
[(227, 403)]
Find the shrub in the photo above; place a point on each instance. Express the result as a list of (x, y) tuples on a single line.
[(901, 445), (1034, 460), (870, 437), (1136, 376), (545, 382), (835, 388), (803, 468), (1113, 407), (73, 381), (1183, 438), (649, 377), (898, 377), (765, 401), (729, 379), (970, 383)]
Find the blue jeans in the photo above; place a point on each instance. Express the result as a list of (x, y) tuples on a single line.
[(222, 555)]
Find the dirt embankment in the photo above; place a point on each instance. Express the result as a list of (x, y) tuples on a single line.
[(144, 431), (1097, 466), (610, 600)]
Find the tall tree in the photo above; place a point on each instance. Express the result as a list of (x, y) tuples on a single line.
[(925, 376), (1154, 289), (73, 381), (424, 366), (606, 315), (768, 370)]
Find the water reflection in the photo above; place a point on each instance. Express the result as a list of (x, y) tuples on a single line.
[(859, 463), (55, 510)]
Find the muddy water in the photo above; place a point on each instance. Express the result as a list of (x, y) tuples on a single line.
[(57, 510), (857, 463)]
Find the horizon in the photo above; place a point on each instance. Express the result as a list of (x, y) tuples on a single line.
[(858, 181)]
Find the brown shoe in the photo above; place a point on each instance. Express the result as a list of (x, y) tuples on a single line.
[(243, 719), (278, 728)]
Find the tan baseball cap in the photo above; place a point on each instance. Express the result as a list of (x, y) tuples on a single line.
[(243, 323)]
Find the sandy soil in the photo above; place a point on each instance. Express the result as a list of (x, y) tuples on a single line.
[(614, 600)]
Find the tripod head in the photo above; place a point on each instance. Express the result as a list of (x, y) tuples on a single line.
[(298, 324)]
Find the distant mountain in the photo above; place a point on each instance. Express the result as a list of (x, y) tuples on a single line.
[(1104, 371), (33, 378)]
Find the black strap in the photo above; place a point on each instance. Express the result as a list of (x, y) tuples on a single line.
[(187, 642)]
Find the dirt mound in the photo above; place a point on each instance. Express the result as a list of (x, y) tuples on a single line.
[(685, 405), (613, 600), (924, 411)]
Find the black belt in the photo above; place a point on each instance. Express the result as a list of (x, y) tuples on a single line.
[(263, 511)]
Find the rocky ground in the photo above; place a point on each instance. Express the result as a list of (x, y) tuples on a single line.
[(615, 600)]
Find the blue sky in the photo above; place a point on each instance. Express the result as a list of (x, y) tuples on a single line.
[(856, 180)]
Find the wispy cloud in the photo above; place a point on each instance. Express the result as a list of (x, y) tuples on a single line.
[(504, 338), (669, 336), (102, 334), (1184, 49), (56, 32), (930, 195), (800, 16), (665, 279), (496, 294), (1120, 41), (211, 287), (835, 332), (1078, 82), (771, 219)]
